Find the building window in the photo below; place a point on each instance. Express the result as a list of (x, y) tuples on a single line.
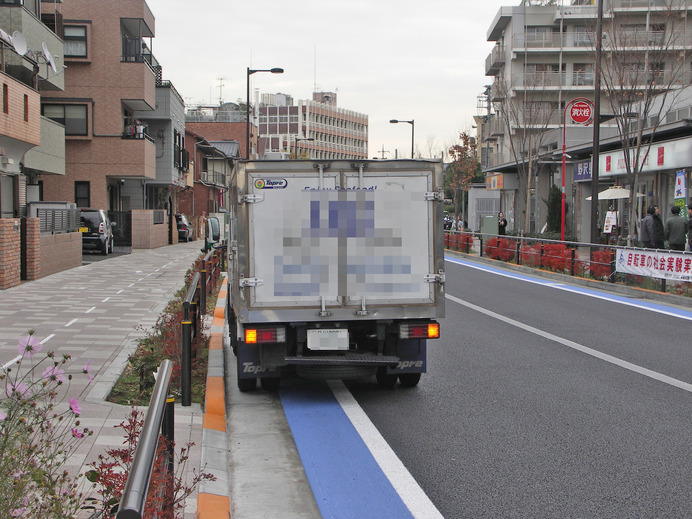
[(5, 98), (81, 194), (26, 107), (75, 41), (73, 117)]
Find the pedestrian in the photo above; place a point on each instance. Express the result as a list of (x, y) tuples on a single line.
[(454, 224), (646, 233), (652, 232), (501, 224), (676, 230)]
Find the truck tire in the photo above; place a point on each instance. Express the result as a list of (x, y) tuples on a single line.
[(270, 383), (247, 384), (409, 379), (384, 379)]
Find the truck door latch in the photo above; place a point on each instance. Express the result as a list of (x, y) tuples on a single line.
[(436, 278), (251, 282), (438, 196), (250, 198)]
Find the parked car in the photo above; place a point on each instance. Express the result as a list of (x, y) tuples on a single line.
[(184, 227), (97, 230)]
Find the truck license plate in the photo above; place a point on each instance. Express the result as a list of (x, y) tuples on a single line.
[(328, 339)]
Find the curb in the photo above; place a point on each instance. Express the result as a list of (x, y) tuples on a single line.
[(213, 499)]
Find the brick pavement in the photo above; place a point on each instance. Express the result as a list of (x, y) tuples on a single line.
[(97, 312)]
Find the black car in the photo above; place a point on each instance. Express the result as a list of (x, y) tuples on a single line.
[(184, 227), (97, 230)]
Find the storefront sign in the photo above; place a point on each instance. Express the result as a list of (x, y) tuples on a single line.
[(582, 171), (680, 194), (655, 264), (494, 181), (668, 155)]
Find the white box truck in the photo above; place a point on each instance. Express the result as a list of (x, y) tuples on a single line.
[(336, 269)]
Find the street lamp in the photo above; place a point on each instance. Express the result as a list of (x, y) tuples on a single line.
[(395, 121), (247, 104), (298, 139)]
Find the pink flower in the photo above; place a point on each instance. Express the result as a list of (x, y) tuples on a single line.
[(29, 345), (2, 416), (54, 374), (87, 370), (77, 433), (74, 406), (17, 388)]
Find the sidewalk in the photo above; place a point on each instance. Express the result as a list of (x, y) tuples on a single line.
[(96, 313)]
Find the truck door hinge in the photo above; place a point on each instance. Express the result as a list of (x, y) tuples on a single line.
[(251, 282), (436, 278), (433, 196), (250, 198)]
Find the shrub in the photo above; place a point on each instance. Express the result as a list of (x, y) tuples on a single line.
[(530, 255), (39, 431), (499, 248), (557, 257), (600, 264)]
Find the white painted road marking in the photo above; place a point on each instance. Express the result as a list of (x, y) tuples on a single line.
[(408, 489), (571, 344), (71, 323)]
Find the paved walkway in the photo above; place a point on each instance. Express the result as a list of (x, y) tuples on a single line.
[(96, 313)]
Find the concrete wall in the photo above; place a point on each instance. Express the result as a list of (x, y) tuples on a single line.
[(146, 235)]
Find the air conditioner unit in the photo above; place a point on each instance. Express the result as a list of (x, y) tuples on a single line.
[(6, 160)]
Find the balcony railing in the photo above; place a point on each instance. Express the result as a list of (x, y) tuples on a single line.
[(585, 41), (214, 177), (136, 131)]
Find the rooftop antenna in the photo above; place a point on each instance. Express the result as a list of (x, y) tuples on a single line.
[(221, 84), (314, 88), (383, 151)]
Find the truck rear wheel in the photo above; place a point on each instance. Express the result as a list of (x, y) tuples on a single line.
[(247, 384), (270, 383), (409, 379), (384, 379)]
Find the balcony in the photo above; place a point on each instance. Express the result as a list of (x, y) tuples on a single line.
[(49, 157), (214, 177), (654, 4), (495, 60)]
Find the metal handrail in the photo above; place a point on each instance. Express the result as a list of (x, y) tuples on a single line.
[(135, 493)]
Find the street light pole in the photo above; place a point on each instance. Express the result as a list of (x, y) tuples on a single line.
[(395, 121), (247, 104), (298, 139)]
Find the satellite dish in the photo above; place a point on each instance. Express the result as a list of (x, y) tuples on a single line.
[(19, 43), (49, 58)]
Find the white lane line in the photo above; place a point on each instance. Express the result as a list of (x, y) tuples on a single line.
[(576, 346), (408, 489), (120, 291), (131, 285), (90, 310), (105, 300), (71, 323), (575, 290), (48, 338)]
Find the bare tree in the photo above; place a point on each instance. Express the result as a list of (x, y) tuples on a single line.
[(642, 71), (526, 115)]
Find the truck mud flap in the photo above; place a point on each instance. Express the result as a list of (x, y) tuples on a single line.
[(249, 365), (412, 357)]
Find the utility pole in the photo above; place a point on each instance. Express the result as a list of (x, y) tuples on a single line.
[(383, 151)]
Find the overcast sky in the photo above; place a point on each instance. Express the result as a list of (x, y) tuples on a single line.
[(389, 59)]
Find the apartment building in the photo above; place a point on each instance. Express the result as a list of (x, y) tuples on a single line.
[(30, 144), (124, 124), (315, 129), (544, 59)]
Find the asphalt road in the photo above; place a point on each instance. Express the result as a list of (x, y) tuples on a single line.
[(538, 404)]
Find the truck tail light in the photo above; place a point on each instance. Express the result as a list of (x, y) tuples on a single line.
[(265, 335), (430, 330)]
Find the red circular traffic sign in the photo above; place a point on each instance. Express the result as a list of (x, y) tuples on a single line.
[(581, 112)]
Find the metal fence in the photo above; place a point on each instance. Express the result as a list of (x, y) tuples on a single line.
[(585, 260), (58, 221)]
